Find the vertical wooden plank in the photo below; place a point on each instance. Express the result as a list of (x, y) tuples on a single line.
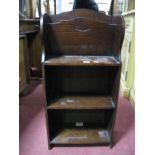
[(48, 7), (39, 11), (54, 6), (24, 74), (111, 8), (33, 7), (28, 8), (31, 15)]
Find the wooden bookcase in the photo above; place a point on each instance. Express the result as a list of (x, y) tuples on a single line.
[(30, 28), (24, 74), (81, 69)]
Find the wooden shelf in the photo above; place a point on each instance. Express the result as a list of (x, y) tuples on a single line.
[(82, 102), (81, 136), (28, 32), (29, 20), (83, 61)]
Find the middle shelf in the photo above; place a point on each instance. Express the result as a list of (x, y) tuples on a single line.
[(82, 102), (71, 60)]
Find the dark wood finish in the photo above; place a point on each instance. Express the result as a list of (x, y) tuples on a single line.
[(81, 136), (30, 28), (94, 37), (83, 61), (55, 9), (28, 32), (81, 69), (82, 102), (111, 8), (39, 8), (79, 80)]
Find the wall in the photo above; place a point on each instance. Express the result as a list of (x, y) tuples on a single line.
[(128, 57)]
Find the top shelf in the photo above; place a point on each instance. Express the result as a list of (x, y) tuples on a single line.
[(83, 61)]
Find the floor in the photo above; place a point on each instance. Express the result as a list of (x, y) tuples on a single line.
[(33, 138)]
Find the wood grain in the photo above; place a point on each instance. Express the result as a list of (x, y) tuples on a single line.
[(82, 102), (81, 136), (81, 69), (79, 36), (83, 61)]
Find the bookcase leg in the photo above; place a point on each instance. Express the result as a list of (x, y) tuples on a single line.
[(50, 147), (110, 145)]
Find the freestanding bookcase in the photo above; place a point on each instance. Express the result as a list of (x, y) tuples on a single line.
[(81, 69)]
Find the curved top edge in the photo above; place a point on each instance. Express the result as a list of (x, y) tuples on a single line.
[(83, 13)]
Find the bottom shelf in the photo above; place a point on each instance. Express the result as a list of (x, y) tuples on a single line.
[(80, 136)]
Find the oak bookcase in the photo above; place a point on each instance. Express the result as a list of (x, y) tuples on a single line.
[(81, 69)]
